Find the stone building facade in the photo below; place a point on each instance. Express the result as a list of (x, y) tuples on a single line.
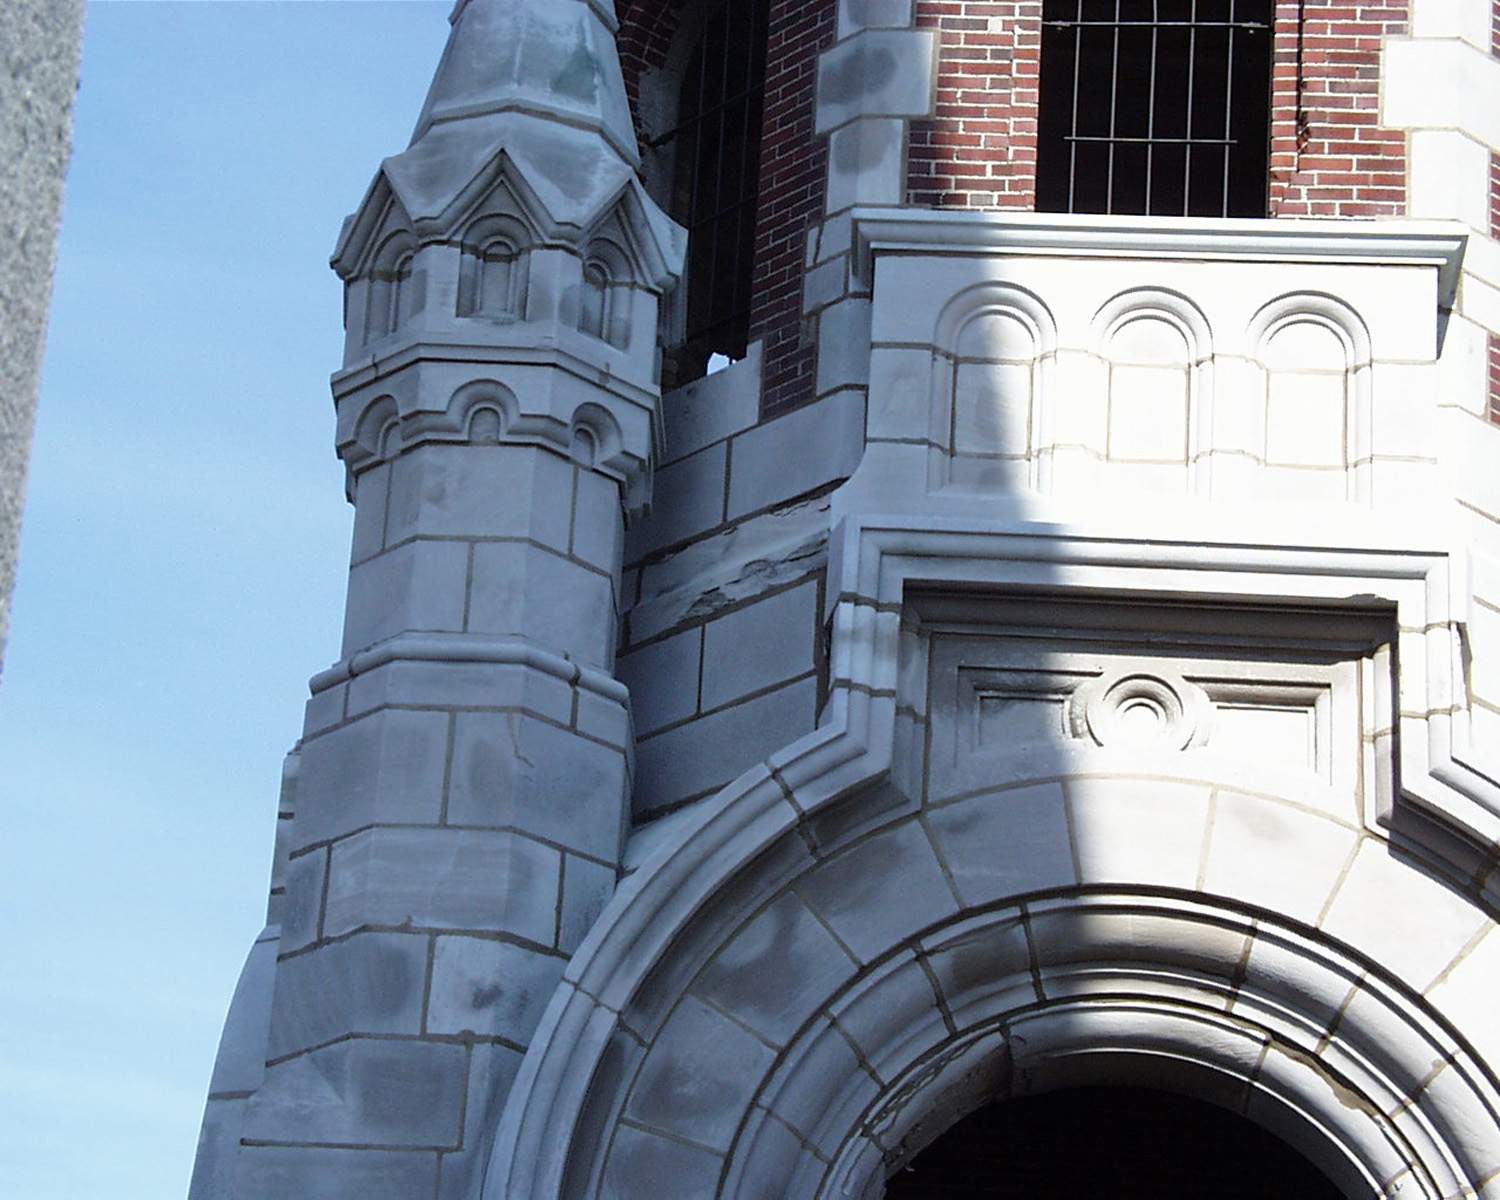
[(960, 607)]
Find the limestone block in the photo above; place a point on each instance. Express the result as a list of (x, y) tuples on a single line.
[(443, 879), (663, 680), (240, 1063), (876, 73), (1282, 858), (1138, 830), (371, 492), (384, 768), (794, 454), (218, 1149), (324, 710), (597, 529), (586, 888), (515, 772), (827, 283), (713, 408), (364, 1092), (1005, 844), (1466, 995), (701, 755), (327, 1174), (1440, 84), (455, 685), (492, 1069), (867, 163), (642, 1163), (302, 910), (489, 989), (371, 983), (981, 960), (873, 14), (416, 586), (808, 1101), (777, 970), (465, 490), (893, 1018), (1449, 175), (699, 1076), (1389, 909), (900, 392), (687, 498), (522, 590), (843, 346), (1451, 19), (603, 718), (849, 890), (759, 645)]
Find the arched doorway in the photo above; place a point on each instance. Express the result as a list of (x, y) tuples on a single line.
[(1121, 1142)]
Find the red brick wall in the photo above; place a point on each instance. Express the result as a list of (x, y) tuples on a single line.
[(1329, 157), (793, 179), (1494, 388), (792, 171), (980, 150)]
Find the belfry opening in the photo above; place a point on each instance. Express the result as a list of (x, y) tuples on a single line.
[(1122, 1142)]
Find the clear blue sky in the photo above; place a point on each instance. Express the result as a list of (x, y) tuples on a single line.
[(183, 555)]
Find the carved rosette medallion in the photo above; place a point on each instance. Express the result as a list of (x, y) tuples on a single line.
[(1141, 711)]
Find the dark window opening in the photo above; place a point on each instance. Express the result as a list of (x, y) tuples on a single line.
[(1155, 107), (715, 151), (1123, 1143)]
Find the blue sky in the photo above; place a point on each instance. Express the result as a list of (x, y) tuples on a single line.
[(183, 554)]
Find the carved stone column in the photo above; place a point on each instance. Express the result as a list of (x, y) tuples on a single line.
[(465, 767)]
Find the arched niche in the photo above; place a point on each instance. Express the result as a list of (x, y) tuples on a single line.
[(1313, 354), (1158, 351), (996, 344), (391, 297), (492, 279)]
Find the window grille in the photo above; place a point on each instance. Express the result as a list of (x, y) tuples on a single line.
[(1155, 106), (715, 150)]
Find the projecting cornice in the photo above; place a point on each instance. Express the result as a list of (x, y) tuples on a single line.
[(1437, 244)]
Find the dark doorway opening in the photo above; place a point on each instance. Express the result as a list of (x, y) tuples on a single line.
[(1123, 1143)]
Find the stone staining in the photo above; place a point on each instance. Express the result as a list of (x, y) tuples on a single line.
[(1089, 684)]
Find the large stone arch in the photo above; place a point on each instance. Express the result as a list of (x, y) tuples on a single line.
[(819, 970)]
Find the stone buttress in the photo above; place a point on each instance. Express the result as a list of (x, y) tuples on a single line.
[(455, 814)]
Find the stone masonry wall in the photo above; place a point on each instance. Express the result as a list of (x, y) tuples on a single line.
[(1493, 395), (791, 172), (1329, 157)]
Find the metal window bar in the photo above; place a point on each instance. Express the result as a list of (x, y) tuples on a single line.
[(716, 146), (1134, 138)]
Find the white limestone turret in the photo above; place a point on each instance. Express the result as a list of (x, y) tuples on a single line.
[(465, 769)]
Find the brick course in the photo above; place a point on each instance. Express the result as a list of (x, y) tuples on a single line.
[(1329, 157)]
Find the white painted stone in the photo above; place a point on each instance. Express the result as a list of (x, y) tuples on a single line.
[(713, 408), (469, 491), (866, 163), (329, 1174), (586, 887), (760, 645), (1465, 994), (641, 1162)]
